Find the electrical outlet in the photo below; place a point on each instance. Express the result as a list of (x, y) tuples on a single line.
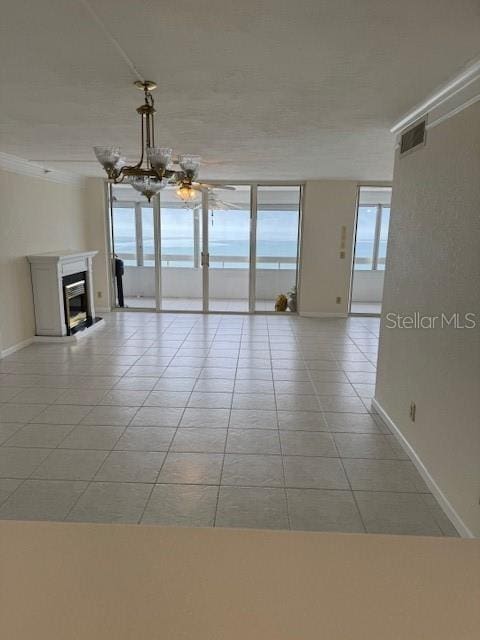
[(339, 300), (413, 411), (99, 294)]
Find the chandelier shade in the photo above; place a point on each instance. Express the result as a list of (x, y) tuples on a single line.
[(190, 164), (147, 185), (108, 157), (159, 157)]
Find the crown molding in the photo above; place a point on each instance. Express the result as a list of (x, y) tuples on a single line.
[(14, 164), (460, 92)]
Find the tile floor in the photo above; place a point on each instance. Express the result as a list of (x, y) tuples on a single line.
[(248, 421)]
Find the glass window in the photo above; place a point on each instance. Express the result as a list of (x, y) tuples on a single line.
[(365, 243), (229, 239), (177, 237), (124, 235), (277, 239)]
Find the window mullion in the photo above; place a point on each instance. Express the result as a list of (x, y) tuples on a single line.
[(196, 238), (376, 243), (139, 234)]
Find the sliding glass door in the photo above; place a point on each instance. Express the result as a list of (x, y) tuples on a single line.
[(233, 249), (181, 273), (228, 232), (133, 241), (277, 236)]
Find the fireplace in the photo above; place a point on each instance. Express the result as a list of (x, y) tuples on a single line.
[(75, 297), (63, 294)]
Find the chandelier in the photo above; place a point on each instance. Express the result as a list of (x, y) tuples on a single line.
[(155, 168)]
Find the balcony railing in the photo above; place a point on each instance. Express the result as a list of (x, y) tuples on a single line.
[(368, 262), (216, 261)]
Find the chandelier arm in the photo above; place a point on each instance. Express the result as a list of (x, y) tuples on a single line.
[(148, 127), (142, 143), (121, 176), (170, 173)]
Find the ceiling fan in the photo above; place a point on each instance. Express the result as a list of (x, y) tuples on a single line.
[(188, 187)]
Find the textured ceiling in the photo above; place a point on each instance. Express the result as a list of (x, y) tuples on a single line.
[(262, 89)]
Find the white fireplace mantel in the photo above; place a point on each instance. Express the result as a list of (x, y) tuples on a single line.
[(47, 271)]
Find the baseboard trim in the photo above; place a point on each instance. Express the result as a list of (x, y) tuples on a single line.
[(76, 337), (456, 520), (317, 314), (102, 309), (15, 347)]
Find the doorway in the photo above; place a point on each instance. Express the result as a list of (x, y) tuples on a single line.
[(234, 249), (370, 250)]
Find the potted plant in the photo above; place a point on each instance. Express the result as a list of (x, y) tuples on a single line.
[(292, 299), (281, 302)]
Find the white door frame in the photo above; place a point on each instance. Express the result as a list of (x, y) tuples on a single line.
[(205, 262)]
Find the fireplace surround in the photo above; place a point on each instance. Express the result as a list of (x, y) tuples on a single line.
[(63, 297)]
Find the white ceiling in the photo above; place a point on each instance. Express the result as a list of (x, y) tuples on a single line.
[(262, 89)]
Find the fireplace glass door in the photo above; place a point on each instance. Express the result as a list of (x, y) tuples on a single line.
[(75, 302)]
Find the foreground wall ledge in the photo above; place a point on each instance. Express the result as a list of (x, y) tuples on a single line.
[(138, 581)]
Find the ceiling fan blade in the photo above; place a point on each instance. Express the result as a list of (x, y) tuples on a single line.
[(222, 187), (231, 205), (221, 205), (207, 185)]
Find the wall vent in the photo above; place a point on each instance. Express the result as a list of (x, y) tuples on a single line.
[(413, 137)]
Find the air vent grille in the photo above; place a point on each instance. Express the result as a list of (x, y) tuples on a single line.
[(413, 137)]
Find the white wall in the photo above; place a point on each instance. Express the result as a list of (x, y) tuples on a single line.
[(367, 286), (328, 205), (36, 215), (433, 266), (271, 282), (97, 230)]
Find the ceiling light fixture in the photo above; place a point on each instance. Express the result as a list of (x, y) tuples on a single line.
[(187, 194), (155, 168)]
